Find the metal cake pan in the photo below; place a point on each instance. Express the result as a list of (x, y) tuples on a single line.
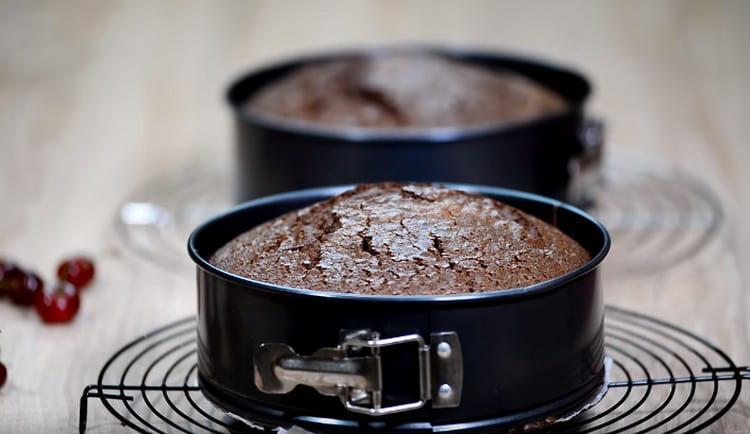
[(549, 155), (514, 355)]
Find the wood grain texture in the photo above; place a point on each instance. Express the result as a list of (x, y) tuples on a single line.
[(97, 97)]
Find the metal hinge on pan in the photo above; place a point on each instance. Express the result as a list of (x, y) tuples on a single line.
[(585, 168), (353, 370)]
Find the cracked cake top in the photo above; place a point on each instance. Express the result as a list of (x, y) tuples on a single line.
[(404, 91), (396, 239)]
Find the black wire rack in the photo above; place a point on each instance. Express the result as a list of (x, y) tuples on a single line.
[(663, 379), (658, 216)]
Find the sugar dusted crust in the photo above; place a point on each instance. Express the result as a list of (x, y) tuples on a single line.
[(403, 239), (404, 91)]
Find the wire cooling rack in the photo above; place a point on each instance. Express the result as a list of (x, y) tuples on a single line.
[(664, 379), (658, 215)]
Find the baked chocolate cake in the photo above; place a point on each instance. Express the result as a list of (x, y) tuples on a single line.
[(404, 91), (395, 239)]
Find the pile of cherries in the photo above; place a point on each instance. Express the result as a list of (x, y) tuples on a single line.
[(55, 304), (58, 303)]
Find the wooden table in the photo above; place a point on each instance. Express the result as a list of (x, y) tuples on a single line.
[(97, 98)]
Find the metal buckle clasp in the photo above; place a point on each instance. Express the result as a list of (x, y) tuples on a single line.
[(585, 168), (353, 371), (351, 397)]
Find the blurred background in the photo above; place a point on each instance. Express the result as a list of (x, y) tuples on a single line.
[(101, 98)]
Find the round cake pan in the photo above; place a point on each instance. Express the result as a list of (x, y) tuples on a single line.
[(550, 155), (341, 362)]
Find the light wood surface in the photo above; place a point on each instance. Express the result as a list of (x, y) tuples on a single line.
[(98, 97)]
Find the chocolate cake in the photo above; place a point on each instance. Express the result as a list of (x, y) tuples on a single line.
[(404, 91), (397, 239)]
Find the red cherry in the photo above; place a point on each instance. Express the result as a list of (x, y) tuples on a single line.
[(77, 270), (58, 304), (24, 289), (3, 374), (5, 268), (11, 278)]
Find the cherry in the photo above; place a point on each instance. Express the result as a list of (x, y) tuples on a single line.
[(58, 304), (77, 270), (3, 374), (11, 278), (5, 267), (23, 290)]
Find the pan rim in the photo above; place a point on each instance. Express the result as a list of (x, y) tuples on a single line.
[(485, 296)]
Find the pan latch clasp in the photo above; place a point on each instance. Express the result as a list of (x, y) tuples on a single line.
[(353, 370)]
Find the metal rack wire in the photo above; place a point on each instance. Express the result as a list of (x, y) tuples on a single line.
[(658, 216), (664, 379)]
